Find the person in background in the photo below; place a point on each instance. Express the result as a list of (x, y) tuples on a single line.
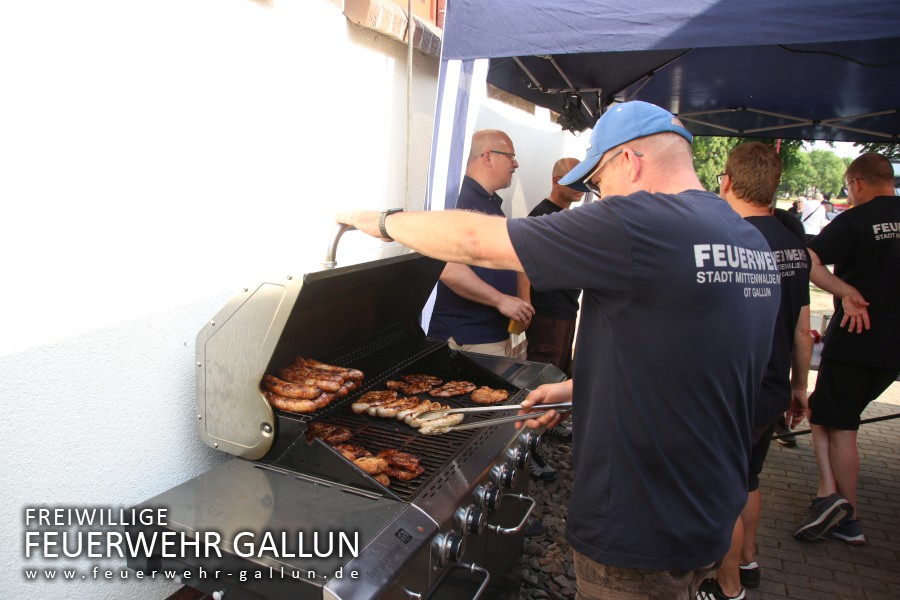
[(830, 213), (551, 334), (752, 174), (813, 216), (474, 305), (861, 353), (653, 416)]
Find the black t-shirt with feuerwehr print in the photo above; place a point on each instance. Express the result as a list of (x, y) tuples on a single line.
[(863, 244)]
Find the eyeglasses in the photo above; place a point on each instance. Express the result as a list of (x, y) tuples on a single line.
[(719, 178), (510, 155), (589, 180), (849, 181)]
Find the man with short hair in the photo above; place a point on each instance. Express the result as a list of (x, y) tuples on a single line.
[(659, 402), (861, 355), (751, 177), (473, 304)]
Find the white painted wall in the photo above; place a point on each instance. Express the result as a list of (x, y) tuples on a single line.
[(155, 157)]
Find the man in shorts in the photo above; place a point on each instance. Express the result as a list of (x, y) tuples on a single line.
[(751, 177), (861, 355)]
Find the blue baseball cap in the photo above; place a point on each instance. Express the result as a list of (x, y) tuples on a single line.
[(623, 123)]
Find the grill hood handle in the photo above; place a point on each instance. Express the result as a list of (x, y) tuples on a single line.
[(330, 256)]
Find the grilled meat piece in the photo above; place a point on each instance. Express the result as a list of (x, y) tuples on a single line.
[(330, 434), (371, 464), (400, 459), (382, 479), (325, 381), (414, 383), (403, 474), (351, 451), (345, 372), (486, 395), (453, 388)]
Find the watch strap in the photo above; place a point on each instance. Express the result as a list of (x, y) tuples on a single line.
[(382, 217)]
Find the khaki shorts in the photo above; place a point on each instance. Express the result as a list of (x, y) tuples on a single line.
[(603, 582), (495, 349)]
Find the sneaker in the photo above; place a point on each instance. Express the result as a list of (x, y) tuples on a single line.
[(560, 431), (824, 515), (781, 429), (535, 529), (750, 576), (710, 590), (849, 532), (540, 470)]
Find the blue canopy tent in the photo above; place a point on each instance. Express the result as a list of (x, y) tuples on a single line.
[(795, 69)]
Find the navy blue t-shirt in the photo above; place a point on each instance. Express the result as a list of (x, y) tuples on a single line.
[(553, 304), (793, 263), (863, 244), (466, 321), (679, 302)]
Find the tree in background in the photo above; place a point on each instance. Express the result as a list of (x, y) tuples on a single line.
[(829, 171), (799, 177), (885, 149), (711, 152)]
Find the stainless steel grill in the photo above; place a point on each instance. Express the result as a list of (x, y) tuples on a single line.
[(453, 532)]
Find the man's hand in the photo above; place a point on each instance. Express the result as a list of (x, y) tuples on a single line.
[(548, 393), (798, 410), (364, 220), (856, 317), (516, 309)]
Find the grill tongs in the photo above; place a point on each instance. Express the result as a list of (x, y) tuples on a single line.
[(432, 415)]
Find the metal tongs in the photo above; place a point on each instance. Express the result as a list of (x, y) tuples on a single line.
[(431, 415)]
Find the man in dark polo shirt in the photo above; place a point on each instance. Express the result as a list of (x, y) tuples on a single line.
[(474, 305)]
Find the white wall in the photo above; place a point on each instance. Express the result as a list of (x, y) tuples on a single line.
[(155, 157)]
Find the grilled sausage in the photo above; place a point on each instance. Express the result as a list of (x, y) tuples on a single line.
[(390, 410), (374, 398), (304, 377), (428, 427), (293, 405), (347, 373), (290, 390)]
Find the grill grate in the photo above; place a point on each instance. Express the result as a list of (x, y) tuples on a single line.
[(382, 359)]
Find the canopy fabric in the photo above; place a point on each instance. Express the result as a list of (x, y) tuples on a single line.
[(803, 69)]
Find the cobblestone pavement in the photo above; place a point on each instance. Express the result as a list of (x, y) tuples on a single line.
[(790, 569)]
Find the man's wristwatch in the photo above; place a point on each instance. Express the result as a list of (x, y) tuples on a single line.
[(381, 219)]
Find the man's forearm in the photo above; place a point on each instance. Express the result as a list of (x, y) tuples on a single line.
[(454, 236)]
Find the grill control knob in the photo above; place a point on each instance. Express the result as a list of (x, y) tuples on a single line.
[(530, 441), (504, 475), (450, 548), (489, 496), (470, 519), (518, 457)]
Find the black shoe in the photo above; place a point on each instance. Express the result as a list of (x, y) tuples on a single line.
[(781, 429), (750, 576), (824, 515), (535, 529), (710, 590), (540, 470)]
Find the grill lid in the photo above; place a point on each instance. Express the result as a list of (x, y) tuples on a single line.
[(322, 313)]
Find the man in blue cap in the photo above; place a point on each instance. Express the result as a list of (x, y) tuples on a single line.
[(679, 305)]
